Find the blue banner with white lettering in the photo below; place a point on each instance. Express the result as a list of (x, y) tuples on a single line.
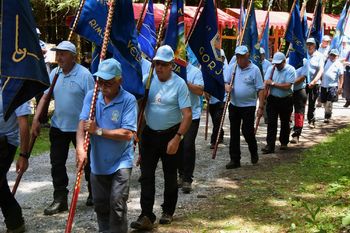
[(23, 71), (175, 37), (147, 36), (205, 44), (339, 32)]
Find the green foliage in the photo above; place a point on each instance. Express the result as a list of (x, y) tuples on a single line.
[(58, 5)]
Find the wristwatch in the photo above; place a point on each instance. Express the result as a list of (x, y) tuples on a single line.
[(99, 131), (180, 135), (273, 84)]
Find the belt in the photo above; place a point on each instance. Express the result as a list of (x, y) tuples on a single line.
[(165, 131)]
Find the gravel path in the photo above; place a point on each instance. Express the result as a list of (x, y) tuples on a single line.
[(35, 190)]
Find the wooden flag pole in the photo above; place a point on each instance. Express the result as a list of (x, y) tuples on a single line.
[(91, 117), (194, 22), (228, 94), (140, 20), (265, 21), (289, 18), (43, 112)]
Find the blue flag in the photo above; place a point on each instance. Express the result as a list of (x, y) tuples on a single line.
[(264, 43), (241, 17), (251, 37), (175, 37), (316, 29), (296, 37), (304, 25), (147, 37), (337, 38), (204, 43), (23, 71), (123, 38)]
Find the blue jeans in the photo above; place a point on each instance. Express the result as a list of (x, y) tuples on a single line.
[(110, 193), (10, 208)]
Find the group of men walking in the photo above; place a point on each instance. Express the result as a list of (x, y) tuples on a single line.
[(172, 117)]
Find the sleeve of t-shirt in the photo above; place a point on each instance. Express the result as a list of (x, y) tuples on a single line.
[(183, 96), (268, 73), (51, 76), (89, 82), (198, 79), (228, 71), (321, 61), (23, 110), (259, 84), (84, 115), (291, 75), (129, 115)]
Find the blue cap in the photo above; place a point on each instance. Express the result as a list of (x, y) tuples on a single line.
[(262, 50), (164, 53), (241, 50), (108, 69), (65, 46), (310, 41), (334, 52), (278, 58), (326, 38)]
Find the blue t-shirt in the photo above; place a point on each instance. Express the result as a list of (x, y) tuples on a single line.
[(315, 62), (301, 71), (286, 75), (165, 101), (10, 128), (265, 65), (107, 155), (145, 66), (69, 94), (331, 74), (194, 76), (246, 84)]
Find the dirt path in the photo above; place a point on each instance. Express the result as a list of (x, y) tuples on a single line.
[(35, 190)]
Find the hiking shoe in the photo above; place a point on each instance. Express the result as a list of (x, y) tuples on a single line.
[(295, 140), (180, 182), (165, 219), (19, 229), (268, 150), (326, 121), (233, 165), (254, 159), (142, 223), (311, 125), (56, 207), (284, 147), (347, 104), (186, 187), (89, 200)]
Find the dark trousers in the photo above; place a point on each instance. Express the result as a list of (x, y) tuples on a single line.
[(282, 108), (9, 206), (312, 97), (299, 103), (244, 116), (110, 193), (215, 111), (154, 146), (58, 156), (187, 163)]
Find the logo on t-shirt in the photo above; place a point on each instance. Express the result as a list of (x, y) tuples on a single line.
[(158, 99), (115, 115)]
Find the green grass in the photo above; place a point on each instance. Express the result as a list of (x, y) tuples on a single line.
[(42, 143), (308, 194)]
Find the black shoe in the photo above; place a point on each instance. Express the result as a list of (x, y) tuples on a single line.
[(180, 182), (221, 140), (267, 150), (142, 223), (254, 159), (212, 146), (326, 121), (233, 165), (19, 229), (56, 207), (186, 187), (295, 140), (89, 200), (165, 219), (284, 147), (347, 104)]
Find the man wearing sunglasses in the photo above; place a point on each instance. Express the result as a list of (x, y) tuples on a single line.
[(112, 150), (168, 116)]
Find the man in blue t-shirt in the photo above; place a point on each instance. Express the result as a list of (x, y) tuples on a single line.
[(279, 102), (247, 87), (13, 132), (73, 83), (168, 117), (112, 150)]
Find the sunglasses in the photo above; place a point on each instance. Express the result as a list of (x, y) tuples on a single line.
[(162, 63), (108, 83)]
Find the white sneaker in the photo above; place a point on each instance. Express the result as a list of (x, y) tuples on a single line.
[(294, 140), (312, 125)]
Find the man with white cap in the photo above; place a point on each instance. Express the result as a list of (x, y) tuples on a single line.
[(264, 62), (332, 82), (73, 83), (168, 116), (315, 71), (324, 46), (279, 102), (112, 150), (247, 87)]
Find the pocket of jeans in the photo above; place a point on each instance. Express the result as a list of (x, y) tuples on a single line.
[(3, 147)]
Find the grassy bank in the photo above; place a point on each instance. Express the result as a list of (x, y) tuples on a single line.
[(309, 193)]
